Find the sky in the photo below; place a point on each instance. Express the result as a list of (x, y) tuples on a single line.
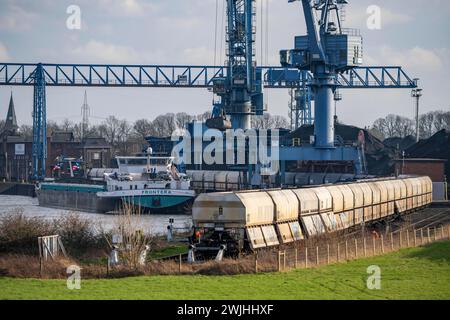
[(414, 34)]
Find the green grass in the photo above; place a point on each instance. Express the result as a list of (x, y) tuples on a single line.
[(171, 250), (418, 273)]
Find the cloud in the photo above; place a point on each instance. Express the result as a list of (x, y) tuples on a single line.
[(200, 56), (128, 7), (389, 17), (356, 17), (106, 52), (4, 55), (418, 58), (15, 18), (95, 51)]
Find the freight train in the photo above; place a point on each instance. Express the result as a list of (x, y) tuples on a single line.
[(250, 220)]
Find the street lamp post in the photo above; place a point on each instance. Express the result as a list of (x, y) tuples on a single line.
[(416, 94)]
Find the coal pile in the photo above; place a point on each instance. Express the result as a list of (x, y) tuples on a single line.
[(400, 143), (435, 147), (380, 158)]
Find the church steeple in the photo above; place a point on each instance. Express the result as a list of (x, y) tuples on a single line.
[(11, 120)]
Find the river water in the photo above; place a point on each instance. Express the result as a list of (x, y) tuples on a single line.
[(152, 224)]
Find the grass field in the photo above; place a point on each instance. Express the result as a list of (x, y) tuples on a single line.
[(418, 273)]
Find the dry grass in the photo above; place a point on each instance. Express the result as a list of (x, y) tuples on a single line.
[(19, 233)]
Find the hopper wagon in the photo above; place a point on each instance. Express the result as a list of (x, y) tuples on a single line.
[(251, 220)]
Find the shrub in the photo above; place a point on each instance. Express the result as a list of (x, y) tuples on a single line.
[(19, 233)]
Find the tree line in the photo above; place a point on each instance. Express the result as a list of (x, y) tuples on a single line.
[(121, 133), (398, 126)]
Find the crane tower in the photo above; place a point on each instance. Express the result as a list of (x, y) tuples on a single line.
[(240, 91), (326, 51)]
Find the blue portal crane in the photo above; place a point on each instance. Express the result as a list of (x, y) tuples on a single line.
[(314, 65), (42, 75)]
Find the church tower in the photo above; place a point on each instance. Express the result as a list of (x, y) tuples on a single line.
[(11, 120)]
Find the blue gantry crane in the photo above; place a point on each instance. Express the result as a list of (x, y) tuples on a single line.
[(318, 65)]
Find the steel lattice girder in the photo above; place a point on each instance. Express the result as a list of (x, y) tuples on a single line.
[(166, 76)]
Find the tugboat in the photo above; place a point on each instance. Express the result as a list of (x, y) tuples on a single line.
[(152, 183)]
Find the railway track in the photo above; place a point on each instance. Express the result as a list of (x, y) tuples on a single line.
[(434, 220), (422, 219)]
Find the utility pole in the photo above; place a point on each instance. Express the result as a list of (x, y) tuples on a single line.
[(85, 112), (416, 94)]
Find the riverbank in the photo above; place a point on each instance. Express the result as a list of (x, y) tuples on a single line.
[(155, 224), (17, 189), (415, 273)]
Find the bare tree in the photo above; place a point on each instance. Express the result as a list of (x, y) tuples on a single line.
[(164, 125), (405, 127), (182, 119), (204, 116), (124, 133), (441, 120), (67, 125), (26, 130), (261, 122), (109, 129), (279, 122), (426, 125), (394, 126), (267, 121), (143, 128), (53, 126)]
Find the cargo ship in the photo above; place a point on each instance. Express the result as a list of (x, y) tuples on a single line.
[(151, 183)]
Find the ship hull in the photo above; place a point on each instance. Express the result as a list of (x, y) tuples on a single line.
[(74, 197), (153, 199)]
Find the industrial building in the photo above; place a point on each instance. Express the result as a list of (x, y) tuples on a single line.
[(16, 149)]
